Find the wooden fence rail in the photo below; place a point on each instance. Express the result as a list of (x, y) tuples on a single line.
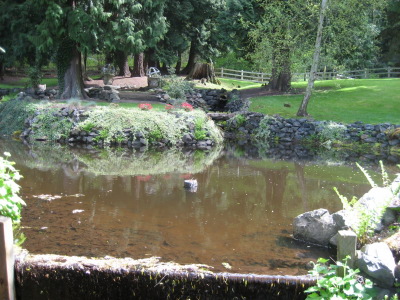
[(260, 77)]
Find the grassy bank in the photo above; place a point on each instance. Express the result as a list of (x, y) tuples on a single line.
[(367, 100)]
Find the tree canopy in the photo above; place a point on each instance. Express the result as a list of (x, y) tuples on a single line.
[(271, 36)]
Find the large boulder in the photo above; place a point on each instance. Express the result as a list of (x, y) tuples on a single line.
[(374, 200), (376, 260), (315, 226)]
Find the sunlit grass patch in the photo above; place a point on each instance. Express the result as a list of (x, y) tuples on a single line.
[(366, 100)]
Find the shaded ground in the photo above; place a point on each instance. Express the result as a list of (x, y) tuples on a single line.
[(134, 83)]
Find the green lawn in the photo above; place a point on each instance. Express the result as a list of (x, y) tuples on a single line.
[(50, 82), (367, 100), (229, 84)]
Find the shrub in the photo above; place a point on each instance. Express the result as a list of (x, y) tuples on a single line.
[(263, 132), (10, 202), (199, 132), (330, 131), (177, 87), (367, 220), (331, 286)]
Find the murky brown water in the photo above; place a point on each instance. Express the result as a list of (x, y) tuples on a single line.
[(134, 205)]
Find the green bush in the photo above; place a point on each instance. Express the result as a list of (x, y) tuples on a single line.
[(177, 87), (331, 286), (263, 132), (366, 219), (199, 132), (331, 131), (10, 202)]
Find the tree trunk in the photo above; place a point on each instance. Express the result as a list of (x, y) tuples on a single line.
[(178, 63), (303, 107), (84, 67), (109, 59), (149, 59), (281, 75), (122, 62), (192, 59), (138, 67), (1, 70), (69, 70), (205, 72)]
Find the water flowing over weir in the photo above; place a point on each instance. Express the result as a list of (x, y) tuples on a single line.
[(132, 205)]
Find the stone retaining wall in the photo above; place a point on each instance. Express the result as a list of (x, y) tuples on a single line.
[(212, 100), (289, 131)]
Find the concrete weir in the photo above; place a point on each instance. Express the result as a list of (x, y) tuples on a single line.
[(64, 277)]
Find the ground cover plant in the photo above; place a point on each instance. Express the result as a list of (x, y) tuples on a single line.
[(10, 202), (367, 100)]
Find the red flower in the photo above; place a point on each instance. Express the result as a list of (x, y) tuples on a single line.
[(186, 106), (169, 107), (145, 106)]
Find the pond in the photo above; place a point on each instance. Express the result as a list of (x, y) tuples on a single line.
[(130, 204)]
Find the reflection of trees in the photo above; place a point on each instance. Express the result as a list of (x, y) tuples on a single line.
[(299, 169), (127, 212)]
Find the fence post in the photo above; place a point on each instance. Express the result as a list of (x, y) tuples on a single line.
[(388, 70), (6, 260), (241, 74), (222, 72), (365, 73), (346, 246)]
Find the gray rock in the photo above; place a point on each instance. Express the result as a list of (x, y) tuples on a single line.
[(316, 226), (376, 260), (344, 219)]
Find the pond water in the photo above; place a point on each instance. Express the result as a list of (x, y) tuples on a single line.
[(126, 204)]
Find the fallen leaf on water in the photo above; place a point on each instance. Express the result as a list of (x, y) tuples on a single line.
[(47, 197), (75, 195), (226, 265)]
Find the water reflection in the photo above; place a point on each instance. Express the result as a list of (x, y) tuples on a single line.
[(124, 203)]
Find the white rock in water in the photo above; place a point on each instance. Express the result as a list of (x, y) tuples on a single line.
[(190, 185)]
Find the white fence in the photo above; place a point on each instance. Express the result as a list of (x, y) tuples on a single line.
[(388, 72)]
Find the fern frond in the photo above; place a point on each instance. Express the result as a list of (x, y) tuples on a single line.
[(370, 180), (385, 176)]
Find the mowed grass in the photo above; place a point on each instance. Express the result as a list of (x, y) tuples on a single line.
[(228, 84), (24, 82), (367, 100)]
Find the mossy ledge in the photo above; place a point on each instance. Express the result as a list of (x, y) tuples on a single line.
[(64, 277), (114, 126)]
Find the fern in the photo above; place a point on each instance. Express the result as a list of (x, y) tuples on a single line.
[(347, 205), (385, 177), (370, 180)]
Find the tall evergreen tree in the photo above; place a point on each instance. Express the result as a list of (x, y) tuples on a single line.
[(17, 21)]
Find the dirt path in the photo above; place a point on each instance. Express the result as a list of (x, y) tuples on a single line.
[(140, 82)]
